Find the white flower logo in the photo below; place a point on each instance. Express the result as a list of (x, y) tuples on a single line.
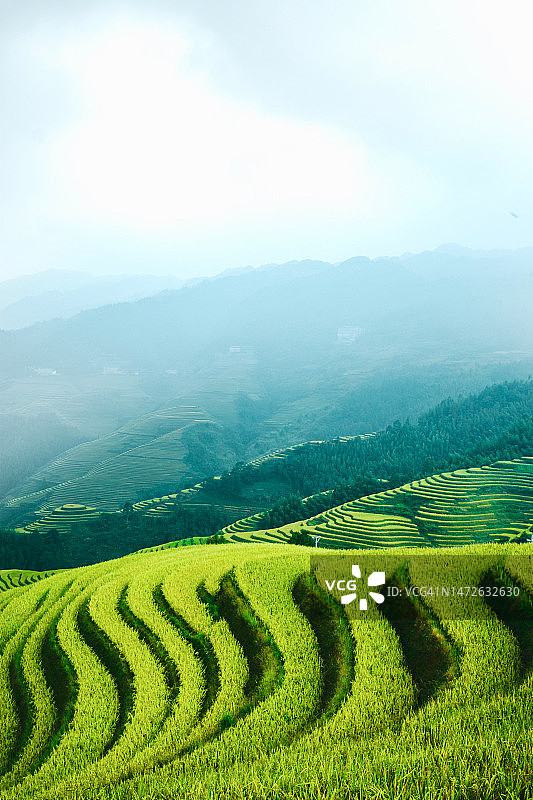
[(375, 579)]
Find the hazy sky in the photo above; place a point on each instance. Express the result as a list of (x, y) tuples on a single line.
[(191, 136)]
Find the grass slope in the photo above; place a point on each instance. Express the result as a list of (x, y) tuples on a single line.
[(231, 673)]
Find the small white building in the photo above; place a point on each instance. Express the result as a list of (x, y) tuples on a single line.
[(349, 333)]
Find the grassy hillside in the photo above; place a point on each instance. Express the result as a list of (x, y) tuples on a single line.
[(162, 450), (496, 423), (232, 672), (466, 506), (474, 505)]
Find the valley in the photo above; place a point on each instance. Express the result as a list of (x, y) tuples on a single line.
[(202, 478)]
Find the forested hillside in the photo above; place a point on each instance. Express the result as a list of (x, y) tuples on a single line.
[(496, 424)]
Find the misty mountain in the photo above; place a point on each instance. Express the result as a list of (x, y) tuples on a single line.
[(258, 359), (61, 293), (50, 280), (432, 305)]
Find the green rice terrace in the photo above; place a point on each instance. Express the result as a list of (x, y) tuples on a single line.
[(16, 578), (72, 514), (231, 672), (466, 506), (63, 518)]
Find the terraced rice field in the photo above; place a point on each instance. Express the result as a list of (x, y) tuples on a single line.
[(109, 471), (230, 672), (16, 578), (161, 506), (454, 508), (102, 488), (71, 515), (63, 518)]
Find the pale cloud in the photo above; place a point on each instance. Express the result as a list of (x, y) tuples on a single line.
[(221, 134), (156, 148)]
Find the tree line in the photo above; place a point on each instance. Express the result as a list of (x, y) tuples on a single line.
[(496, 424)]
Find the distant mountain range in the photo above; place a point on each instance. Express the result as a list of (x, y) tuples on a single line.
[(63, 293), (416, 301)]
